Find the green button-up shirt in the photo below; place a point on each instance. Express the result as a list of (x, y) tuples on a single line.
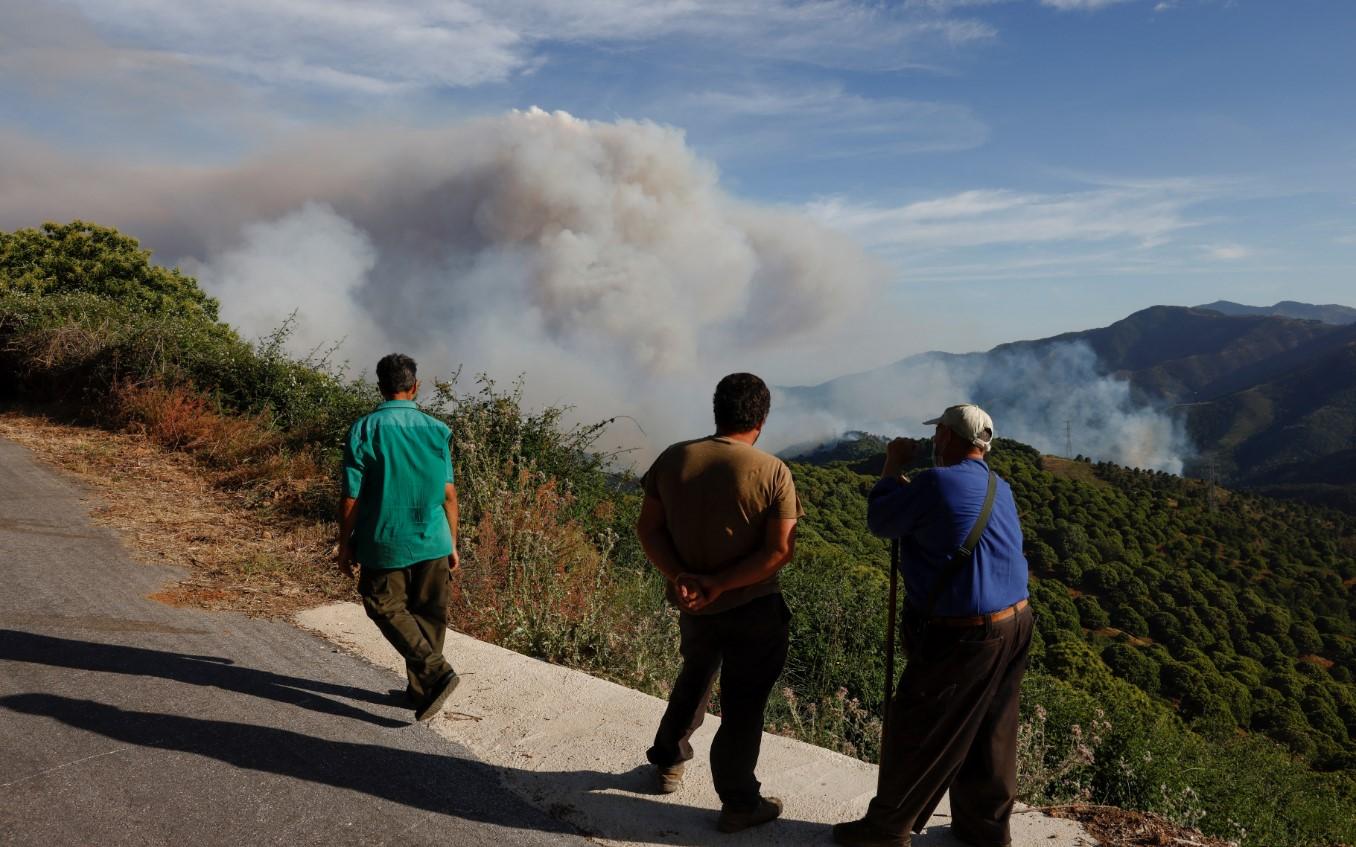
[(397, 463)]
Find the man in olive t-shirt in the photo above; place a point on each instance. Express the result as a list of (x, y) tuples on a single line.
[(719, 521)]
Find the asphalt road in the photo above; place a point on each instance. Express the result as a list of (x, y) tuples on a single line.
[(125, 721)]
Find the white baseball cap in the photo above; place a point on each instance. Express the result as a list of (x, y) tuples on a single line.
[(969, 422)]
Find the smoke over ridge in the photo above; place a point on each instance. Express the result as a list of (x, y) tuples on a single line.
[(1056, 397), (603, 260)]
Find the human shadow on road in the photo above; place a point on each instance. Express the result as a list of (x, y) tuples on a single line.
[(430, 782), (216, 671)]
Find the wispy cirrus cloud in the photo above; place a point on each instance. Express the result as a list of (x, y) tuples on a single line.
[(376, 46), (60, 75), (1145, 213), (1110, 229), (1228, 252), (151, 77), (828, 120), (1081, 5), (370, 46)]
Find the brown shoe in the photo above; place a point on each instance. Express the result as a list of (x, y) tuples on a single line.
[(437, 697), (768, 809), (670, 779), (863, 833)]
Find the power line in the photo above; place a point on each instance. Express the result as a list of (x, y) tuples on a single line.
[(1211, 499)]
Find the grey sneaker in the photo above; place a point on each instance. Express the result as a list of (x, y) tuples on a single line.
[(768, 809), (670, 779), (438, 697)]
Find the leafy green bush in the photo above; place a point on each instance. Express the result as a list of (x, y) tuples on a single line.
[(85, 257), (74, 348)]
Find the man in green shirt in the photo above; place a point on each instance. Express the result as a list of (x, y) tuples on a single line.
[(398, 525)]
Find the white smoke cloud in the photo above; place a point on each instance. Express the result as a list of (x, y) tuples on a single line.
[(310, 264), (1061, 394), (1044, 396), (601, 260)]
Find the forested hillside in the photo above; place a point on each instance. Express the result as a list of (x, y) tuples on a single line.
[(1219, 620), (1194, 649), (1235, 609)]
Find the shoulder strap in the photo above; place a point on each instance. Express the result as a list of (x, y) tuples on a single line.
[(967, 548)]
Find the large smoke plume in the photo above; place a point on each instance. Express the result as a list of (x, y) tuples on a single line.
[(1057, 397), (601, 260)]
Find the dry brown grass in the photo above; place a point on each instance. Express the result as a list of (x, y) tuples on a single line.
[(174, 508), (53, 349), (1113, 827), (533, 581), (1069, 469), (247, 450), (182, 419)]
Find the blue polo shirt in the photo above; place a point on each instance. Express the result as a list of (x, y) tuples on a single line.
[(931, 516), (397, 464)]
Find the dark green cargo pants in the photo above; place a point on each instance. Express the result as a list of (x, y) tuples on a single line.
[(409, 606)]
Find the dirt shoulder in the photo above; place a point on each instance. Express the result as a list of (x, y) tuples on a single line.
[(1113, 827), (168, 508)]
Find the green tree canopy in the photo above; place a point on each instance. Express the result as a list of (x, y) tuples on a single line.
[(85, 257)]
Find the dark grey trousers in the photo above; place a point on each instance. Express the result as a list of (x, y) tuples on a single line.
[(953, 726), (747, 646)]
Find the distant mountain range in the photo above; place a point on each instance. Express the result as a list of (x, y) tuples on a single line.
[(1329, 314), (1267, 395)]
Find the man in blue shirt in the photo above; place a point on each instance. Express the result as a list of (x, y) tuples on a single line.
[(398, 521), (967, 627)]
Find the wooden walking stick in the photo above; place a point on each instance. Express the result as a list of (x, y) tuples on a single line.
[(890, 631)]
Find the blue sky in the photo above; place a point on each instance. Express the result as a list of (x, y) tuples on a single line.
[(1022, 168)]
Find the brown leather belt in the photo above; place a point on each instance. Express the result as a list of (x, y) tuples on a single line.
[(980, 620)]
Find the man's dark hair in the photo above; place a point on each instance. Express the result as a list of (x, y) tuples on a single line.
[(395, 374), (741, 403)]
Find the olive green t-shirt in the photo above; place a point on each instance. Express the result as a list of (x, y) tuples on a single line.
[(397, 464), (718, 496)]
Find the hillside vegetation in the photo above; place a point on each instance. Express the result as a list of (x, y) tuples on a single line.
[(1194, 646)]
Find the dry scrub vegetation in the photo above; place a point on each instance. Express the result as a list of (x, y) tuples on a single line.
[(225, 495), (170, 508)]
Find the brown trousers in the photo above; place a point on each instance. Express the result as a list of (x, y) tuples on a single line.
[(953, 725), (409, 606), (747, 645)]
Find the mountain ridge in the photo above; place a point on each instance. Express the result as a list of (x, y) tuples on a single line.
[(1263, 397), (1327, 313)]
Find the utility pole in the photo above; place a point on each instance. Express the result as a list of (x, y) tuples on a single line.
[(1068, 437)]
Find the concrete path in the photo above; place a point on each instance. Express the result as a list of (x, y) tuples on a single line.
[(124, 721), (573, 744)]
